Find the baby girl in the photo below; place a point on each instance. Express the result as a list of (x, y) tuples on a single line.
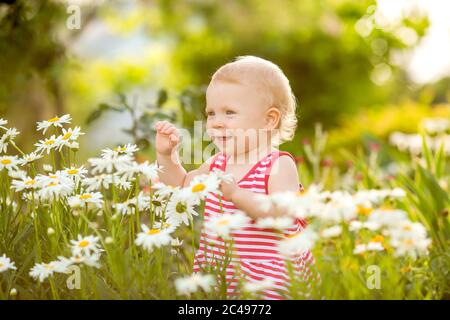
[(250, 110)]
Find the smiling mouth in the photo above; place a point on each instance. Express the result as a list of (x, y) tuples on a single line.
[(223, 138)]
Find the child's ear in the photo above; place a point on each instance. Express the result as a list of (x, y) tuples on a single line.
[(273, 117)]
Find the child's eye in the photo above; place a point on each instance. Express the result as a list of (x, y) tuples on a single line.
[(230, 112), (210, 113)]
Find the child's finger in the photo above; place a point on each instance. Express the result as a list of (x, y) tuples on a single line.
[(169, 130), (164, 126), (158, 125), (174, 138)]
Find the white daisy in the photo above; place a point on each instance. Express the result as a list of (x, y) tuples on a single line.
[(163, 190), (191, 284), (109, 162), (331, 232), (297, 243), (85, 245), (25, 183), (386, 217), (54, 186), (202, 185), (91, 260), (6, 264), (68, 137), (225, 223), (9, 163), (128, 149), (181, 207), (56, 122), (29, 158), (150, 171), (83, 199), (76, 173), (42, 271), (151, 238), (47, 144), (278, 223), (255, 286), (3, 122), (9, 135)]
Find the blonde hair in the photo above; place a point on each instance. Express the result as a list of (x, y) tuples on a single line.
[(267, 75)]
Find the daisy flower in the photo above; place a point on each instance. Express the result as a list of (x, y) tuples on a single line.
[(6, 138), (25, 183), (81, 200), (278, 223), (297, 243), (54, 186), (85, 245), (191, 284), (150, 171), (6, 264), (181, 207), (201, 185), (47, 144), (331, 232), (109, 162), (224, 224), (256, 286), (3, 122), (56, 122), (42, 271), (164, 190), (9, 163), (128, 149), (150, 238), (91, 260), (76, 173), (68, 137), (29, 158)]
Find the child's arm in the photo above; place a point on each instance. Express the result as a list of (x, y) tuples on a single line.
[(173, 173), (284, 179)]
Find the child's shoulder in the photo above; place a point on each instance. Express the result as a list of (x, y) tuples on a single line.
[(283, 173)]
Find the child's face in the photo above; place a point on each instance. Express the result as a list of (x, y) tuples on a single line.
[(236, 115)]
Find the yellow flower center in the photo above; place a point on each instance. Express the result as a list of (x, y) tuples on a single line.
[(52, 184), (30, 182), (1, 265), (153, 231), (120, 149), (377, 238), (408, 242), (198, 187), (50, 142), (407, 227), (72, 171), (363, 210), (53, 176), (6, 161), (48, 266), (223, 222), (67, 136), (83, 244), (53, 119), (85, 196), (166, 225)]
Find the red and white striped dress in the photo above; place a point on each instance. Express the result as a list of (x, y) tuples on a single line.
[(255, 251)]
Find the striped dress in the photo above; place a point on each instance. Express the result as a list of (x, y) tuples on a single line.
[(255, 255)]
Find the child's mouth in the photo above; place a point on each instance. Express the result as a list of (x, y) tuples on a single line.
[(223, 138)]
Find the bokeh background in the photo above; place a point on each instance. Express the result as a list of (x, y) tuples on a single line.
[(362, 69)]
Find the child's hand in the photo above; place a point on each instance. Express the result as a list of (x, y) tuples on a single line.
[(167, 137), (229, 188)]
